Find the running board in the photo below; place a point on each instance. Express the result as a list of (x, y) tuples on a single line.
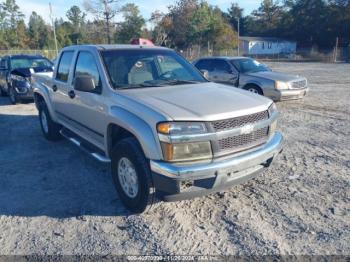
[(74, 139)]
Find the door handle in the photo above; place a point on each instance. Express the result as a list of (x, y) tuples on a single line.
[(54, 88), (71, 94)]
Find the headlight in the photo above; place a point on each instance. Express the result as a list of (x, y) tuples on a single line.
[(181, 128), (186, 151), (18, 78), (281, 85)]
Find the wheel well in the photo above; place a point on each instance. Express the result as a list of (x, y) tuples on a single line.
[(253, 85), (115, 134), (39, 100)]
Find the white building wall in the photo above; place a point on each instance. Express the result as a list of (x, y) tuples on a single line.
[(268, 48)]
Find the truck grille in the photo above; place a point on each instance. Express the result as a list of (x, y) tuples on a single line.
[(232, 123), (299, 84), (243, 142)]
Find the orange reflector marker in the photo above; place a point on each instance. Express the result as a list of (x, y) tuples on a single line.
[(168, 151), (163, 128)]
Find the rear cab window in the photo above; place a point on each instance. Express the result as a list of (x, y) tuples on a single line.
[(64, 66)]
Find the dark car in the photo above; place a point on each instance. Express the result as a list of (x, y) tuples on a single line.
[(16, 73)]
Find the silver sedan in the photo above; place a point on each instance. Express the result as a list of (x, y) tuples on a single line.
[(253, 76)]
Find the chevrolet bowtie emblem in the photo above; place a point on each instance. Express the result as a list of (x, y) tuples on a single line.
[(247, 129)]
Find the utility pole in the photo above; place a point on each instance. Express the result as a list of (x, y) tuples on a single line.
[(106, 13), (336, 49), (54, 29), (238, 36)]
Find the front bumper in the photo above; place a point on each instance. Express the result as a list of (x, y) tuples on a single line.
[(289, 94), (183, 181)]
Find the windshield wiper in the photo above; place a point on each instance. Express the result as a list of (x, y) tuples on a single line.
[(135, 86), (180, 82)]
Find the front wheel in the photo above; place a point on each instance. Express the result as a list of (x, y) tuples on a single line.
[(12, 95), (132, 176), (254, 89), (50, 129)]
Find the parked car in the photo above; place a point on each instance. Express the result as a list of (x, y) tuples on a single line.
[(16, 72), (167, 131), (253, 76)]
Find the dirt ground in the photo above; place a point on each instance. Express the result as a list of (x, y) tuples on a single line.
[(54, 199)]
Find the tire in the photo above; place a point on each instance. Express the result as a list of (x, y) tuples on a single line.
[(12, 95), (50, 129), (144, 198), (254, 89), (2, 92)]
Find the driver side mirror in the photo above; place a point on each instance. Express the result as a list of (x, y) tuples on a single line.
[(205, 73), (84, 83)]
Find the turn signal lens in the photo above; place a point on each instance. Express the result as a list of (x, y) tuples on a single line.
[(181, 128), (163, 128), (273, 127)]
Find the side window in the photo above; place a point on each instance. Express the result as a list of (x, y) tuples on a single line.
[(64, 65), (221, 65), (204, 65), (86, 65)]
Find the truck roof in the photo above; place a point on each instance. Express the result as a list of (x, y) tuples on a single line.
[(113, 47)]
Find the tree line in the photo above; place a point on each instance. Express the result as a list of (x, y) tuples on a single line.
[(186, 23)]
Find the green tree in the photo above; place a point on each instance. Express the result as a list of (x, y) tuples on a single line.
[(11, 15), (38, 31), (76, 17), (234, 13), (200, 24), (103, 10), (132, 26)]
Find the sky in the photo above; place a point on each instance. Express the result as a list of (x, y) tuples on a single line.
[(60, 7)]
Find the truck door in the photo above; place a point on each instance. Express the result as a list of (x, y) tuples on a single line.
[(87, 109), (59, 92), (222, 72)]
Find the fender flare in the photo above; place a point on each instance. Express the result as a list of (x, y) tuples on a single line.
[(44, 93), (139, 128)]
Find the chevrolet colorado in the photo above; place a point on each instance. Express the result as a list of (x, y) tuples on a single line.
[(167, 132)]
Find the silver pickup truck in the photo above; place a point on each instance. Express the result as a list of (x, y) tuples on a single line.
[(168, 133)]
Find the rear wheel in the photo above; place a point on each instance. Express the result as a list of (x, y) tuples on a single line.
[(2, 92), (132, 176), (254, 89), (50, 129)]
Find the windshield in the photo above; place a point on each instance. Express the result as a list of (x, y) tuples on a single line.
[(29, 62), (248, 65), (148, 68)]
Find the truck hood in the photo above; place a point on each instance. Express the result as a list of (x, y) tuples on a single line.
[(199, 102), (27, 72), (276, 76)]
